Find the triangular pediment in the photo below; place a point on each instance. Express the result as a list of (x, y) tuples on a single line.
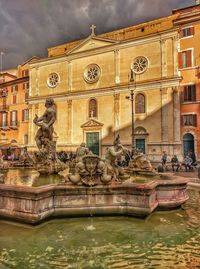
[(92, 42), (92, 123)]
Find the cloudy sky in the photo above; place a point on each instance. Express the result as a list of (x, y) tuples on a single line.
[(29, 27)]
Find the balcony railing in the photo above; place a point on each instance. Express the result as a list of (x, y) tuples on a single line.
[(4, 126), (4, 108)]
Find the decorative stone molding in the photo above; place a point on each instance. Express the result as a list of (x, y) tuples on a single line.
[(53, 80), (92, 73), (140, 65), (91, 124)]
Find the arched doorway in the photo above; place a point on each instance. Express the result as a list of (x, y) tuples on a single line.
[(140, 139), (188, 143)]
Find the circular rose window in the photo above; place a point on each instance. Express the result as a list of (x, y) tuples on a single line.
[(53, 80), (140, 65), (92, 73)]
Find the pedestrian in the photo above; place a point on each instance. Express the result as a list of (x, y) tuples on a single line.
[(164, 158), (175, 163)]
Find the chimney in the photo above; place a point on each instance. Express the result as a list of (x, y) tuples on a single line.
[(197, 2)]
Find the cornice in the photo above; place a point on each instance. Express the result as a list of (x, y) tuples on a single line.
[(123, 88), (14, 81), (109, 48), (187, 19)]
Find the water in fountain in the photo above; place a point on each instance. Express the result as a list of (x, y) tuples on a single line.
[(163, 240)]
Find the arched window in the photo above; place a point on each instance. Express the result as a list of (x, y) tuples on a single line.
[(92, 108), (140, 103)]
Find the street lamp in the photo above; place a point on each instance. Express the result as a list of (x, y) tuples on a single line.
[(132, 78)]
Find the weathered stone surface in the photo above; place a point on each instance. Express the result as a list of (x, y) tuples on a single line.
[(33, 205)]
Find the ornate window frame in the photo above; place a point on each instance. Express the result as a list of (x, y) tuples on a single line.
[(140, 65), (92, 73), (52, 77), (144, 104), (95, 111)]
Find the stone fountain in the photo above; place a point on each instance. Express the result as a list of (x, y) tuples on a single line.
[(95, 186)]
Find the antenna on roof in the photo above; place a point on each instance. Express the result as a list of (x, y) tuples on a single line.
[(1, 54)]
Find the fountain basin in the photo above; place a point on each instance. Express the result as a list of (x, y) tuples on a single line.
[(35, 204)]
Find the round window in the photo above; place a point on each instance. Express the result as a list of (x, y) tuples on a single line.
[(140, 65), (53, 80), (92, 73)]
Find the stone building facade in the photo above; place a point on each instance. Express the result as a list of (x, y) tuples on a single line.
[(90, 79)]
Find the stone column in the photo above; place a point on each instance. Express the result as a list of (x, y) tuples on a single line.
[(116, 110), (70, 76), (30, 125), (37, 92), (69, 121), (164, 114), (117, 66), (176, 114), (175, 54), (163, 58)]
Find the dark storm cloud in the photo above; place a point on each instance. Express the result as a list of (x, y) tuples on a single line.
[(28, 27)]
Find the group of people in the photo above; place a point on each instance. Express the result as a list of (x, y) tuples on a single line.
[(189, 161)]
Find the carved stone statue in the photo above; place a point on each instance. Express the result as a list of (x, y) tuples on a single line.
[(44, 135), (24, 158), (81, 152), (140, 163), (45, 161), (90, 171), (113, 154)]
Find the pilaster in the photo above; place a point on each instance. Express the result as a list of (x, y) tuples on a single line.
[(117, 66), (116, 111), (176, 114), (164, 114), (69, 121)]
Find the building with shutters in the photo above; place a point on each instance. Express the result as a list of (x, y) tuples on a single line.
[(89, 80), (14, 113), (188, 22)]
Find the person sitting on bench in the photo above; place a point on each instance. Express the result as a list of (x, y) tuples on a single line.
[(175, 163), (188, 163)]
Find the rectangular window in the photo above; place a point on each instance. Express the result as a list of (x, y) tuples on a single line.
[(26, 86), (13, 118), (25, 73), (189, 120), (4, 102), (185, 59), (26, 95), (14, 88), (4, 119), (189, 93), (14, 99), (189, 31), (25, 115)]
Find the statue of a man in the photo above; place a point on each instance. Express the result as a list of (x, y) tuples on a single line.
[(44, 135), (81, 151), (112, 155)]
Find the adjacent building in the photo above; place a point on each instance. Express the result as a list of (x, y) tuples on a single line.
[(14, 92), (188, 21)]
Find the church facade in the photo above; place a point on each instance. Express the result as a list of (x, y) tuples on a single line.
[(91, 79)]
